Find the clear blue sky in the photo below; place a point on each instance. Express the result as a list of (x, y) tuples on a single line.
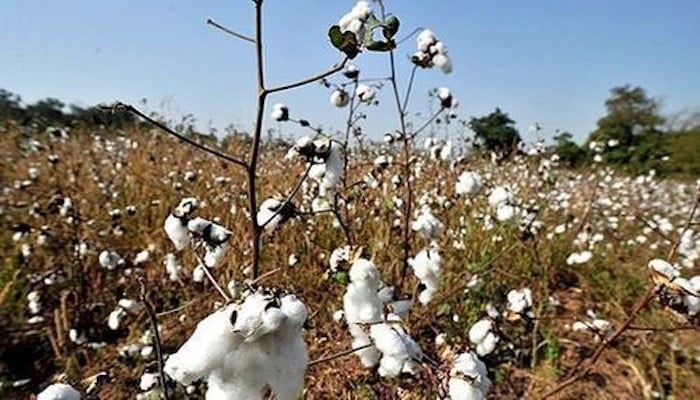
[(551, 61)]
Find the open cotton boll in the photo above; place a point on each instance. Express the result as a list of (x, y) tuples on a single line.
[(274, 212), (280, 112), (340, 98), (506, 212), (664, 268), (115, 318), (399, 350), (110, 259), (172, 266), (468, 184), (242, 348), (176, 230), (481, 334), (500, 195), (427, 225), (334, 170), (469, 378), (59, 391), (427, 267), (365, 93), (580, 257), (519, 301)]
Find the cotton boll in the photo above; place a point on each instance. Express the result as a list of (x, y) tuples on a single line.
[(148, 381), (110, 259), (340, 98), (280, 112), (664, 268), (115, 318), (427, 225), (579, 257), (469, 378), (500, 195), (506, 212), (519, 301), (468, 184), (142, 257), (59, 391), (443, 62), (176, 230), (172, 267), (479, 330), (365, 93)]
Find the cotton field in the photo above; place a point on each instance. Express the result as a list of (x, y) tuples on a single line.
[(144, 262)]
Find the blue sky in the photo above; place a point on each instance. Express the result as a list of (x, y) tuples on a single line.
[(546, 61)]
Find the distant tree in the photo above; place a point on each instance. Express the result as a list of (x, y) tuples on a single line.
[(48, 111), (495, 132), (10, 106), (632, 124), (569, 152)]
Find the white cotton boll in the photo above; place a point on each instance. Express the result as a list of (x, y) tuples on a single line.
[(468, 184), (110, 259), (338, 315), (142, 257), (129, 305), (427, 267), (340, 98), (238, 354), (425, 39), (335, 164), (292, 260), (427, 225), (577, 258), (364, 271), (397, 348), (267, 215), (280, 112), (506, 212), (664, 268), (520, 300), (386, 294), (365, 93), (115, 318), (213, 255), (198, 273), (59, 391), (426, 295), (469, 378), (479, 330), (176, 230), (443, 62), (172, 267), (487, 345), (369, 356), (148, 381), (500, 195), (339, 258)]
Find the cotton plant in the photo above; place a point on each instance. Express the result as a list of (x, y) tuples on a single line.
[(245, 347)]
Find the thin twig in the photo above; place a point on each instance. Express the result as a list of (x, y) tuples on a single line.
[(163, 127), (211, 278), (428, 122), (312, 79), (229, 31), (154, 326), (337, 355), (289, 198)]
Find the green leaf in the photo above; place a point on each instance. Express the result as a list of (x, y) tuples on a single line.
[(390, 27), (341, 277), (443, 309), (344, 41), (380, 45)]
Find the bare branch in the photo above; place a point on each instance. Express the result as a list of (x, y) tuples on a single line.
[(337, 355), (229, 31), (211, 278), (312, 79), (163, 127)]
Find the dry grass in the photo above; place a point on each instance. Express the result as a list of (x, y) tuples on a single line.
[(150, 177)]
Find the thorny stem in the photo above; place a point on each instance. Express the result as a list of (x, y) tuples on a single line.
[(163, 127), (337, 355), (154, 326), (229, 31)]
